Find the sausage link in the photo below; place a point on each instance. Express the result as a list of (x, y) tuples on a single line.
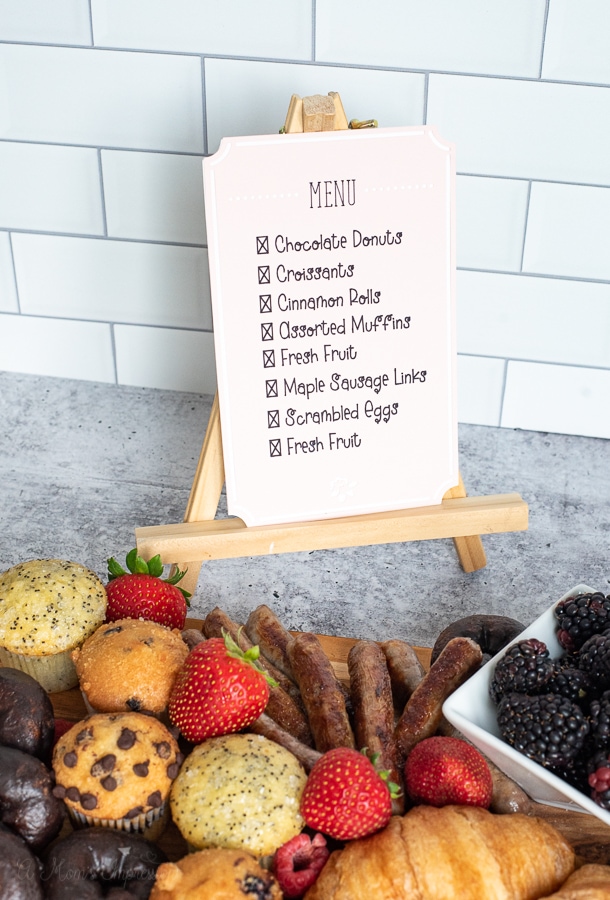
[(322, 694), (405, 668), (424, 711), (266, 726), (371, 694), (265, 629)]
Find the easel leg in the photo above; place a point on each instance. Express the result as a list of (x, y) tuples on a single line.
[(207, 487), (469, 549)]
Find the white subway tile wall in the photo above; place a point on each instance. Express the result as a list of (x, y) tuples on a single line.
[(107, 109)]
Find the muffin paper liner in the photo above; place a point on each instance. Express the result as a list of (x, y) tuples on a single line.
[(150, 824), (54, 673)]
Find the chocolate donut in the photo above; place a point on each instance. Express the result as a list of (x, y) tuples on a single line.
[(27, 804), (20, 870), (98, 862), (491, 633), (26, 714)]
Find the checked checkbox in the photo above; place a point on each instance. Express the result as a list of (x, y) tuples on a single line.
[(268, 359), (271, 388)]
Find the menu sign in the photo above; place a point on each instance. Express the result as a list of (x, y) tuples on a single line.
[(332, 264)]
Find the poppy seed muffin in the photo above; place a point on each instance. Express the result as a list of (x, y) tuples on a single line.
[(238, 792), (129, 665), (47, 609), (116, 770)]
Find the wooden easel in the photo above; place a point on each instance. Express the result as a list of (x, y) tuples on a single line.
[(202, 537)]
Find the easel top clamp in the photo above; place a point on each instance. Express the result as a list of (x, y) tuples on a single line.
[(201, 537)]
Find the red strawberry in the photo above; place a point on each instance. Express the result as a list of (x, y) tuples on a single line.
[(141, 593), (345, 796), (298, 862), (219, 690), (444, 770)]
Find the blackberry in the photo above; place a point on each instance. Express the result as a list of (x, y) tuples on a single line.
[(581, 617), (525, 668), (576, 773), (570, 682), (594, 658), (599, 779), (547, 728), (599, 716)]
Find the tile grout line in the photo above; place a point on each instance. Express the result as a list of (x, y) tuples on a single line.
[(204, 110), (89, 2), (503, 392), (102, 193), (544, 28), (451, 73), (14, 272), (525, 224)]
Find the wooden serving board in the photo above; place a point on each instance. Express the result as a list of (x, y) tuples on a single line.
[(589, 836)]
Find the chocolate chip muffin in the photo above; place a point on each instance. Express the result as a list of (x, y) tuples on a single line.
[(129, 665), (116, 770)]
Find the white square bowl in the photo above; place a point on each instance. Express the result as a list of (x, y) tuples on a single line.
[(472, 711)]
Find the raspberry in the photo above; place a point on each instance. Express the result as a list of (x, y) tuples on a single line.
[(581, 617), (599, 779), (298, 862), (548, 728), (525, 668)]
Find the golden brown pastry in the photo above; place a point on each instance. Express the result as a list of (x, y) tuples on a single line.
[(214, 875), (591, 882), (451, 853)]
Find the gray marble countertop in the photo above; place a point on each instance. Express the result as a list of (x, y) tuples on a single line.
[(83, 464)]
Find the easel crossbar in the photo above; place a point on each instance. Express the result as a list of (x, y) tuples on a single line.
[(230, 538)]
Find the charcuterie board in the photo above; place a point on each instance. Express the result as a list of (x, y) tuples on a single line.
[(589, 836)]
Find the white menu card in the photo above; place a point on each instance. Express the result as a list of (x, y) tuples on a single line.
[(332, 268)]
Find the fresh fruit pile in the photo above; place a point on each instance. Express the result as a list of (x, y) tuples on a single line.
[(557, 711)]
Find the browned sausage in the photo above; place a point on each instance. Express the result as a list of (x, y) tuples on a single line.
[(405, 668), (424, 710), (322, 694), (265, 629), (371, 693), (282, 706), (192, 637), (266, 726)]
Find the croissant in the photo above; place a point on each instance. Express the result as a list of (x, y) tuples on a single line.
[(451, 853), (592, 882)]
